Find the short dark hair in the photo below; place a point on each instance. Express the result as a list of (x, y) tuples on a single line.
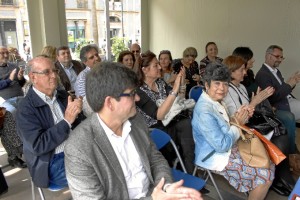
[(216, 72), (209, 43), (123, 54), (244, 52), (61, 48), (108, 79), (86, 49)]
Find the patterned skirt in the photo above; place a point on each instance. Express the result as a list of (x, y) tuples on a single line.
[(243, 177)]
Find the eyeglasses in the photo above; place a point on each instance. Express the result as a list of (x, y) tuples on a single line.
[(278, 56), (93, 56), (5, 52), (137, 51), (130, 94), (47, 72)]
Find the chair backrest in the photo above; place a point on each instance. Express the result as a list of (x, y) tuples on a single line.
[(160, 138), (195, 92)]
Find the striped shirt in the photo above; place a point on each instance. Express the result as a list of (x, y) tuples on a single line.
[(80, 82), (56, 111)]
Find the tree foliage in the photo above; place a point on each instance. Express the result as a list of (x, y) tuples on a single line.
[(118, 45)]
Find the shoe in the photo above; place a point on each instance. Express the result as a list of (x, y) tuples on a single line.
[(204, 191), (17, 162), (287, 185), (4, 191), (279, 189)]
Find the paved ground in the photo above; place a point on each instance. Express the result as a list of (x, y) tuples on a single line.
[(19, 184)]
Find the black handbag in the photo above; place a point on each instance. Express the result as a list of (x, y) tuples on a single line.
[(264, 120)]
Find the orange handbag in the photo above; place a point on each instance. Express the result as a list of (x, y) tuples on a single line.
[(274, 152)]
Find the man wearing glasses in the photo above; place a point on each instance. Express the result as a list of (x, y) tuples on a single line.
[(11, 82), (44, 121), (110, 155), (286, 105), (136, 50), (89, 55)]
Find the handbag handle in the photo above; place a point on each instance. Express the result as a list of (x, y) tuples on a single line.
[(241, 132)]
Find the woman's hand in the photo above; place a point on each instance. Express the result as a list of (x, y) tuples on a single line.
[(196, 77), (261, 95), (242, 115), (178, 80)]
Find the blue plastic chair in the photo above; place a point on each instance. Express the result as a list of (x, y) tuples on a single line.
[(160, 138), (195, 92)]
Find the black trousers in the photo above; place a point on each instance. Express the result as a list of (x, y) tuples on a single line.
[(3, 184), (282, 170), (181, 132)]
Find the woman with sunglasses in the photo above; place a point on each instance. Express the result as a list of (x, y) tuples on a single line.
[(191, 68), (153, 88)]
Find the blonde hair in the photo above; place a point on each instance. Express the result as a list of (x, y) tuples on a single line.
[(190, 51), (50, 52)]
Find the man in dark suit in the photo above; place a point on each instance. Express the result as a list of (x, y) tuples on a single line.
[(110, 155), (44, 121), (287, 107), (68, 68)]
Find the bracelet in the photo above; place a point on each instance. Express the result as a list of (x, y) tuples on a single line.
[(173, 93), (166, 186)]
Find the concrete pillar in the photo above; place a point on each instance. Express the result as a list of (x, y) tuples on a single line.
[(47, 22)]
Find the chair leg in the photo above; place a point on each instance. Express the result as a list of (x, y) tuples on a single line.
[(41, 193), (32, 191), (214, 183)]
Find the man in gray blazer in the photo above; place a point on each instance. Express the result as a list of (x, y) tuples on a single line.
[(110, 155)]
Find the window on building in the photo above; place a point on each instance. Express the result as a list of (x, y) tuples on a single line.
[(7, 2), (82, 4)]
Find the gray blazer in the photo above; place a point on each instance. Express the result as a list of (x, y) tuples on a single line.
[(92, 167)]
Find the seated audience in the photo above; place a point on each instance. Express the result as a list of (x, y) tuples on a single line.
[(211, 50), (44, 121), (236, 97), (165, 62), (11, 141), (110, 155), (215, 138), (89, 56), (191, 68), (153, 88), (68, 68), (11, 82), (286, 105), (127, 58)]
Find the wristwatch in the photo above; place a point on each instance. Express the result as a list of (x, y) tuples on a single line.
[(173, 93)]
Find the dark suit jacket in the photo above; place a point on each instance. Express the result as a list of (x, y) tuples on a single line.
[(35, 126), (63, 76), (265, 78), (92, 167)]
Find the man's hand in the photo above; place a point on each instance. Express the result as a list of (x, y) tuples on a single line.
[(294, 79), (74, 107), (174, 191), (12, 74)]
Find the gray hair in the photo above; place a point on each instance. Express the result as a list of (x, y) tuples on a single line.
[(84, 50), (108, 79), (216, 72), (271, 48)]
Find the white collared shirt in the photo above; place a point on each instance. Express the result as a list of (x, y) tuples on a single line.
[(135, 175), (71, 74), (274, 72)]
